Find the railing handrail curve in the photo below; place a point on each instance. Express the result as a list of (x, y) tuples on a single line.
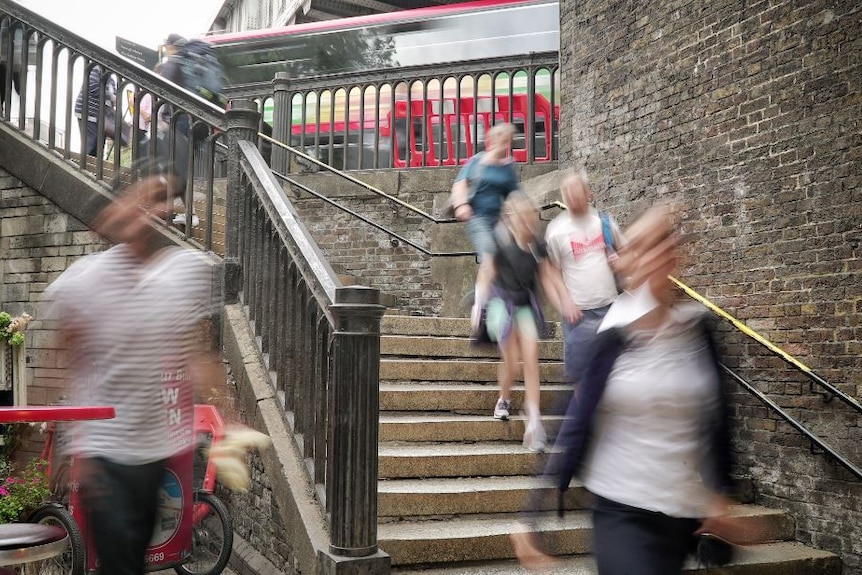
[(368, 187), (287, 224)]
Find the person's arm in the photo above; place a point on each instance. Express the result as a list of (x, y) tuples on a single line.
[(551, 280), (463, 210), (461, 192)]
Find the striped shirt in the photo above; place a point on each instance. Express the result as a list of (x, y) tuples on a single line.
[(133, 325)]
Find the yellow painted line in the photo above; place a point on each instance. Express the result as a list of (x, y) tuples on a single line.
[(740, 326)]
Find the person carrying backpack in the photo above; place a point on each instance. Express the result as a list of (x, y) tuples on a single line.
[(193, 65), (582, 245)]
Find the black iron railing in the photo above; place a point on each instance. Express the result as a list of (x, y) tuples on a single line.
[(811, 436), (322, 339), (60, 86), (415, 116)]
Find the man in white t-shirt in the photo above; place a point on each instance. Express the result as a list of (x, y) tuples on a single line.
[(128, 316), (581, 275)]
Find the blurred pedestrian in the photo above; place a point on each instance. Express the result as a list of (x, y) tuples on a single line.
[(514, 318), (647, 430), (127, 315), (478, 193), (581, 247), (101, 101)]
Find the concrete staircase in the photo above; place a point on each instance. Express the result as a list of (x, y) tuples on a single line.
[(453, 480)]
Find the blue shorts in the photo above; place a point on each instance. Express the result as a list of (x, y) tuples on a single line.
[(480, 230), (578, 339)]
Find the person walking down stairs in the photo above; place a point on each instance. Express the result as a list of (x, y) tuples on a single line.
[(514, 318), (647, 431)]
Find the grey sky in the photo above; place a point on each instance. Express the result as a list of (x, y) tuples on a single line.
[(147, 23)]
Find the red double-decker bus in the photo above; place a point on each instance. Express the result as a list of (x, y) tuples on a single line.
[(401, 125)]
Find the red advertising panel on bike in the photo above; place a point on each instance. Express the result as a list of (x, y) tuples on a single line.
[(172, 540)]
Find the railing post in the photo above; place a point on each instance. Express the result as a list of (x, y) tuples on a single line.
[(242, 122), (352, 448), (281, 118)]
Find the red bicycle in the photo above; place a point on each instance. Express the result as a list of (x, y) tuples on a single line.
[(212, 526)]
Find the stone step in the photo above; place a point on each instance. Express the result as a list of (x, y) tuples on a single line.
[(466, 398), (446, 347), (450, 370), (486, 537), (419, 460), (439, 326), (431, 426), (475, 538), (459, 496), (783, 558)]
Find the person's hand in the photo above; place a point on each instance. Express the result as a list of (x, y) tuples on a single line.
[(721, 524), (614, 262), (528, 554), (570, 312), (463, 212)]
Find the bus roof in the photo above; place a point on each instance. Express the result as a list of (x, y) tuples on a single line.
[(360, 21)]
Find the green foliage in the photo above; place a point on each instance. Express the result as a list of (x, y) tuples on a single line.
[(12, 328), (23, 492)]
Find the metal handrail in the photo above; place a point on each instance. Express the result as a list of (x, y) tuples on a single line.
[(369, 187), (831, 392), (828, 449), (453, 69)]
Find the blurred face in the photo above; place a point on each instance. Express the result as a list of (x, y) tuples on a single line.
[(651, 254), (576, 196), (500, 143), (522, 221), (127, 219)]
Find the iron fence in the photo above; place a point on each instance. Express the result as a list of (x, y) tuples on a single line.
[(108, 116), (418, 116)]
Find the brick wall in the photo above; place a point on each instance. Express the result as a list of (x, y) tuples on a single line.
[(747, 115), (37, 243), (419, 284)]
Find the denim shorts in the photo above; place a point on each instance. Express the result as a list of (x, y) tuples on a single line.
[(480, 229)]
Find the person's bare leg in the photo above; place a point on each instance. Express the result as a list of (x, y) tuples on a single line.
[(534, 436), (530, 358), (506, 374), (509, 368), (482, 289)]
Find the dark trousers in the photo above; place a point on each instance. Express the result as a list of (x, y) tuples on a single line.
[(121, 501), (632, 541), (89, 144), (577, 342)]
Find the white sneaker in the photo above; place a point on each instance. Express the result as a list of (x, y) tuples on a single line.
[(180, 220), (535, 438), (501, 410)]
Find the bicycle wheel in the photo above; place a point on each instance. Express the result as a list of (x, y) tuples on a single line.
[(73, 560), (212, 537)]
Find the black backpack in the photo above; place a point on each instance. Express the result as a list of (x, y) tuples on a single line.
[(200, 71)]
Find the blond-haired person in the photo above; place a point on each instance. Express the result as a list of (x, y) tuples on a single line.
[(478, 194), (514, 318)]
